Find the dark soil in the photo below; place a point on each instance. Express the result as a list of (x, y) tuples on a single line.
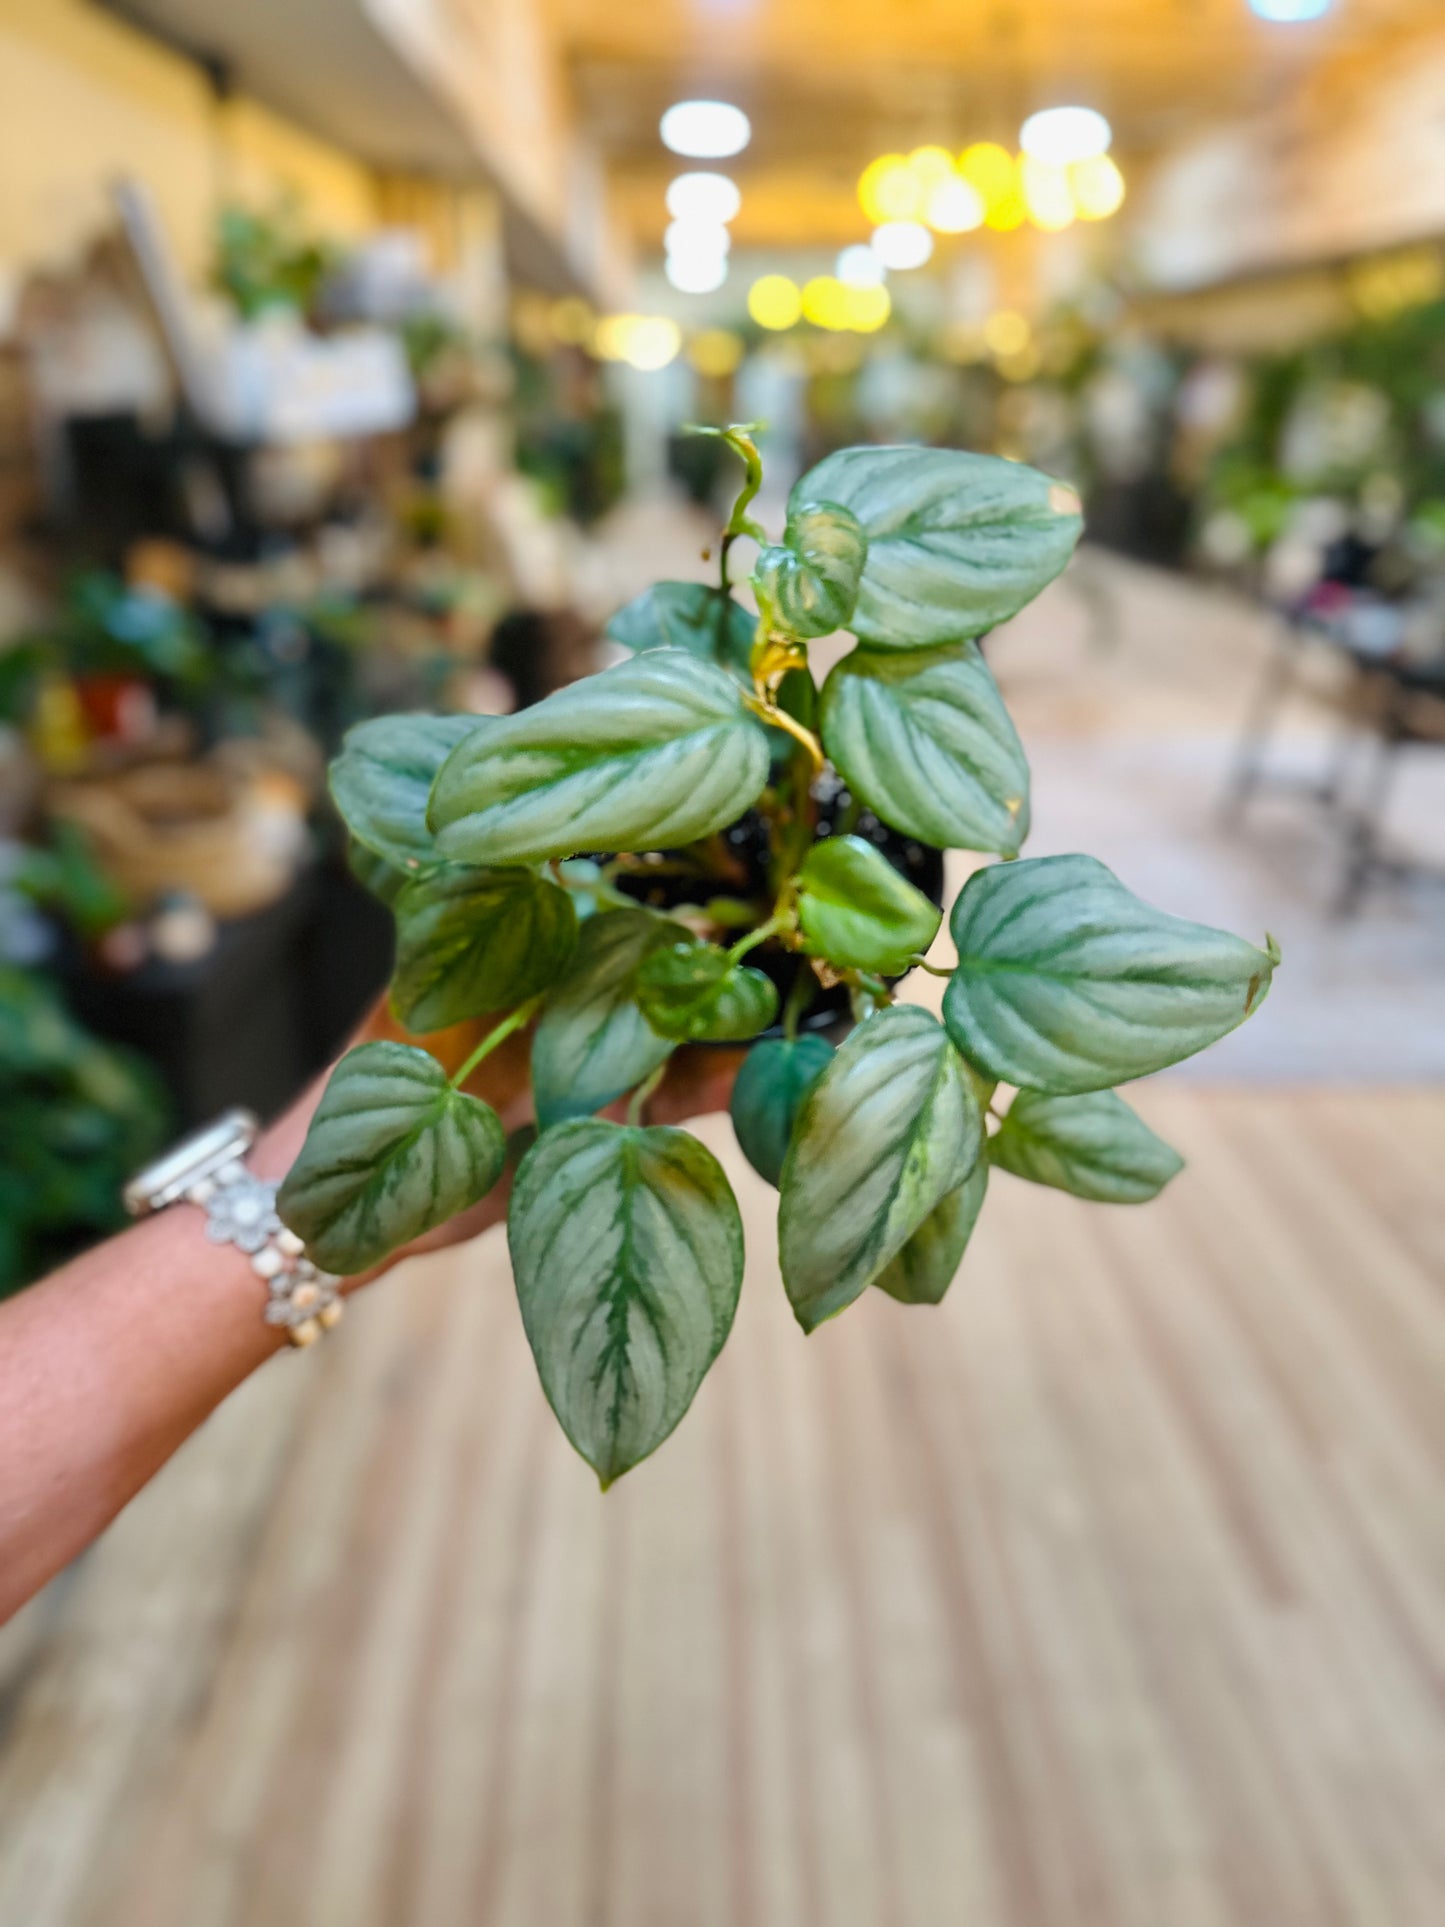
[(747, 841)]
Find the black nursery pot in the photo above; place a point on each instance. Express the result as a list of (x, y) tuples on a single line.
[(920, 863)]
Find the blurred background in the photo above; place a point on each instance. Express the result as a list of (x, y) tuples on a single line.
[(347, 352)]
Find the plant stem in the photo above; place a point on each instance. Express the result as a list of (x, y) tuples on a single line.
[(800, 999), (522, 1015), (934, 970), (780, 920), (739, 438), (765, 707), (644, 1091)]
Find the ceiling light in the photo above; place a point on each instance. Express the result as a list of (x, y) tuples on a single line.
[(705, 130), (703, 197), (954, 206), (775, 302), (902, 244), (697, 240), (1097, 187), (859, 267), (1291, 10), (929, 166), (1064, 134), (696, 273)]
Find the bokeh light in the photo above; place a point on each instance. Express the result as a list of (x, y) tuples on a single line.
[(696, 273), (705, 130), (1064, 134), (1048, 194), (1006, 333), (646, 342), (954, 206), (902, 244), (697, 240), (775, 302), (1097, 186), (860, 267), (715, 352), (889, 190), (703, 197)]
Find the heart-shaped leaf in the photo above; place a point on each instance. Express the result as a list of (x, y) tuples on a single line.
[(768, 1092), (471, 941), (857, 911), (1093, 1146), (810, 582), (392, 1151), (689, 991), (653, 753), (922, 737), (592, 1042), (691, 616), (957, 543), (1066, 982), (928, 1264), (889, 1129), (381, 781), (627, 1249)]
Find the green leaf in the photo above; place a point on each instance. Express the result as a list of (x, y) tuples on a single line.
[(689, 991), (957, 543), (922, 737), (1092, 1145), (627, 1249), (928, 1264), (811, 580), (769, 1090), (472, 941), (1066, 982), (392, 1151), (592, 1042), (653, 753), (381, 879), (889, 1129), (858, 912), (691, 616), (382, 778)]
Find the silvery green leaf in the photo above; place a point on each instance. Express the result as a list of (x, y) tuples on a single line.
[(592, 1042), (627, 1249), (688, 990), (811, 579), (1092, 1145), (392, 1151), (928, 1264), (768, 1091), (855, 909), (472, 941), (957, 543), (1067, 982), (381, 879), (922, 737), (889, 1129), (382, 778), (653, 753), (691, 616)]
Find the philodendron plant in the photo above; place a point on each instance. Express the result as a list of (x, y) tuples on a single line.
[(700, 845)]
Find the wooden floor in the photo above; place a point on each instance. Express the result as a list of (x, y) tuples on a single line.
[(1113, 1592)]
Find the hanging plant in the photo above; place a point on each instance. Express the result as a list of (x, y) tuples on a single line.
[(700, 845)]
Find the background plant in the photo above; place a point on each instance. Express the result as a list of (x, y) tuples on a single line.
[(515, 852)]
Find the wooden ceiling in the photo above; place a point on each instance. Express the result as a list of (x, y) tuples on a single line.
[(831, 83)]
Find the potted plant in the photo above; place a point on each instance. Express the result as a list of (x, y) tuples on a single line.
[(734, 899)]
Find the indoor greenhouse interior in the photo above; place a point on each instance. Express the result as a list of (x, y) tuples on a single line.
[(848, 578)]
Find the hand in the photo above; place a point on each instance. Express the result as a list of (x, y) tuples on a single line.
[(699, 1078)]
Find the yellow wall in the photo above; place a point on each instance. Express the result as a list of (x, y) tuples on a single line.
[(84, 97)]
